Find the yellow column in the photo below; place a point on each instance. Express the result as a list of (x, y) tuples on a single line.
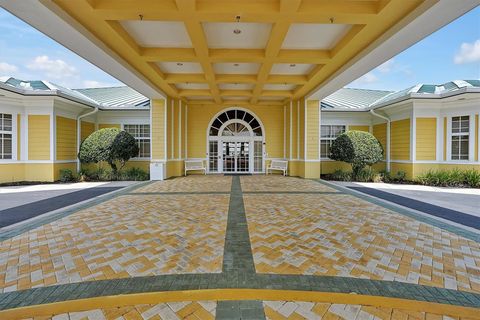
[(158, 137), (311, 145), (175, 161)]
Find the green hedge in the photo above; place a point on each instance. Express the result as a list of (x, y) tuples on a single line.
[(451, 178)]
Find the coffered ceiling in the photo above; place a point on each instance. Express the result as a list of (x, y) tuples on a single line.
[(248, 51)]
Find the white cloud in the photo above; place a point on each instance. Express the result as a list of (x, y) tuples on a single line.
[(96, 84), (53, 69), (6, 68), (367, 78), (387, 66), (469, 52)]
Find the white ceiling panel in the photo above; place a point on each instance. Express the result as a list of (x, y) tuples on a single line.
[(314, 36), (251, 36), (236, 68), (286, 68), (186, 86), (236, 86), (270, 86), (158, 33), (180, 67)]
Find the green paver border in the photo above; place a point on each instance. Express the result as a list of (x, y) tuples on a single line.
[(407, 212), (238, 280), (46, 218)]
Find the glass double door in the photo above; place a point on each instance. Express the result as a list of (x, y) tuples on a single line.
[(236, 156)]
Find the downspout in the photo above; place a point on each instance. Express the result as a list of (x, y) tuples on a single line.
[(78, 132), (388, 137)]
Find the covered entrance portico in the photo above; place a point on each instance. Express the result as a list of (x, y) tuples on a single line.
[(235, 143), (276, 59)]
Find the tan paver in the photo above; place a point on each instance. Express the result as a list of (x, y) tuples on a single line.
[(125, 237), (280, 183), (192, 183), (341, 235), (204, 310), (281, 310)]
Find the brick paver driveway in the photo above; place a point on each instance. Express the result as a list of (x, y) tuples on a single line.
[(251, 233)]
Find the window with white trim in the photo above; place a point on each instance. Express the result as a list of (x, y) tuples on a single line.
[(141, 133), (328, 133), (460, 137), (6, 136)]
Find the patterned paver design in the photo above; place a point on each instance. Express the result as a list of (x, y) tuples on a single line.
[(192, 183), (125, 237), (277, 183), (280, 310), (341, 235), (200, 310)]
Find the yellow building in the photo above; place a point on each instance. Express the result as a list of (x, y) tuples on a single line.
[(42, 125), (239, 83)]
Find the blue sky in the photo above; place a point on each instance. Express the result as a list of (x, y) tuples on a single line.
[(452, 52)]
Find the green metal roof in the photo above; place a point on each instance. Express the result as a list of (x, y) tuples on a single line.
[(116, 97), (363, 99), (350, 98)]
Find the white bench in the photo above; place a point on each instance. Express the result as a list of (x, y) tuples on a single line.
[(281, 165), (193, 165)]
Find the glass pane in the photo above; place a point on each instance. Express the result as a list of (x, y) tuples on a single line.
[(248, 117), (223, 117), (240, 114), (257, 131), (231, 114), (337, 130), (325, 131)]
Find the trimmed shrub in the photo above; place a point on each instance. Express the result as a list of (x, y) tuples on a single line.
[(110, 145), (340, 175), (66, 175), (102, 174), (358, 148)]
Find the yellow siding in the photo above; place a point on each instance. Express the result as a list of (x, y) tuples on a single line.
[(39, 172), (312, 129), (400, 140), (176, 132), (169, 129), (477, 141), (86, 129), (158, 129), (184, 117), (301, 133), (426, 144), (109, 125), (19, 136), (38, 137), (380, 132), (66, 138), (445, 139), (287, 132), (295, 154), (359, 128)]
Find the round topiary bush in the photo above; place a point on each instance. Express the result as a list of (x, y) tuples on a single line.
[(110, 145), (358, 148)]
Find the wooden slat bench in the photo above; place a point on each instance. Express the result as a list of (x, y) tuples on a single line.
[(280, 165), (194, 165)]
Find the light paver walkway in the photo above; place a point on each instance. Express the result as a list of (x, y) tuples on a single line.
[(249, 232)]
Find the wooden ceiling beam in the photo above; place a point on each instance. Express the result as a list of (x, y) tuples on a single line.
[(185, 78)]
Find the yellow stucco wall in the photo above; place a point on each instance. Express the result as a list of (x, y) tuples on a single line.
[(426, 136), (38, 137), (12, 172), (330, 166), (86, 129), (199, 117), (158, 129), (359, 128), (400, 140), (109, 125), (66, 140), (380, 132)]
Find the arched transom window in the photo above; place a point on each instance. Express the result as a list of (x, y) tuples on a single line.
[(235, 122)]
